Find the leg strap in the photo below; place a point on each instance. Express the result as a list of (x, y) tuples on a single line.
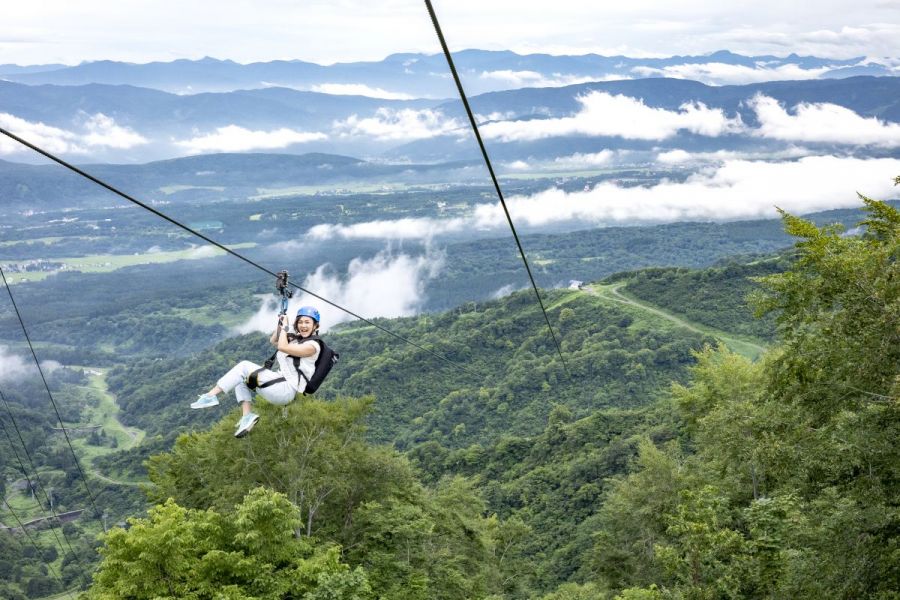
[(253, 380)]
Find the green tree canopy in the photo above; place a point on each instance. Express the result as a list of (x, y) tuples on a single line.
[(786, 480), (179, 553), (414, 542)]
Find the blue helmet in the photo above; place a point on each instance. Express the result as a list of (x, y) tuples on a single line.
[(309, 311)]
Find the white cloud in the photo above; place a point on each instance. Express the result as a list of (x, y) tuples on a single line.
[(233, 138), (65, 31), (580, 160), (103, 131), (518, 165), (725, 74), (48, 366), (100, 131), (400, 229), (678, 156), (359, 89), (386, 285), (674, 157), (207, 251), (519, 79), (495, 116), (403, 124), (505, 290), (13, 366), (735, 189), (604, 114), (822, 122), (52, 139), (874, 37), (577, 161)]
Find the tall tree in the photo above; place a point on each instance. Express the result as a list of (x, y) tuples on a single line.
[(185, 553)]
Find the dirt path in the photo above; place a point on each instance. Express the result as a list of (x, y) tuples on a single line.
[(744, 347), (101, 477)]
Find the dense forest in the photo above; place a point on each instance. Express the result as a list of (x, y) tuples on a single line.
[(656, 463)]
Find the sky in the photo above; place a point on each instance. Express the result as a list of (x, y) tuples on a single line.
[(327, 31)]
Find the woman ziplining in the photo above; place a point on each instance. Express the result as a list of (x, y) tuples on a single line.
[(303, 362), (296, 354)]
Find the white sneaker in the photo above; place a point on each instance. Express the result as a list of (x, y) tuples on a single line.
[(246, 424), (205, 401)]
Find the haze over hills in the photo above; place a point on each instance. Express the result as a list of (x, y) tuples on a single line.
[(425, 75), (121, 123)]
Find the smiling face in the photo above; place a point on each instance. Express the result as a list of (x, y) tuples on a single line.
[(305, 326)]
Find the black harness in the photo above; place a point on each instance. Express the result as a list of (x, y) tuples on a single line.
[(324, 362)]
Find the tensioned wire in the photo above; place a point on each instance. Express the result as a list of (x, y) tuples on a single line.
[(50, 394), (487, 161), (220, 246), (33, 543), (34, 470)]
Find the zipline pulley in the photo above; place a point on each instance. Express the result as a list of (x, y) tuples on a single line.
[(286, 293)]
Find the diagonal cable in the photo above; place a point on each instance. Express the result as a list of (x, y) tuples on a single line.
[(52, 401), (220, 246), (33, 470), (487, 161), (33, 543)]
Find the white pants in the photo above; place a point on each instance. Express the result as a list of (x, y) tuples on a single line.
[(277, 393)]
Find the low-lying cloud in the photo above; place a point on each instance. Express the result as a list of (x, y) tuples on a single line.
[(386, 285), (585, 160), (99, 132), (572, 162), (823, 123), (398, 229), (234, 138), (12, 366), (398, 124), (520, 79), (735, 189), (715, 73), (678, 156), (103, 131), (359, 89), (604, 114)]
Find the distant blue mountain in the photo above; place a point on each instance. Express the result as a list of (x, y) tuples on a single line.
[(421, 75), (19, 70), (867, 96), (369, 127), (154, 110)]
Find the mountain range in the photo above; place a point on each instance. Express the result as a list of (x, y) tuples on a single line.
[(122, 123), (411, 75)]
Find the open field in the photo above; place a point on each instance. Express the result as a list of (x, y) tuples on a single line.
[(105, 263), (101, 409)]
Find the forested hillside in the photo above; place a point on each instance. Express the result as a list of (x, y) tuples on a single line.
[(767, 479), (717, 297), (504, 376), (656, 464)]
